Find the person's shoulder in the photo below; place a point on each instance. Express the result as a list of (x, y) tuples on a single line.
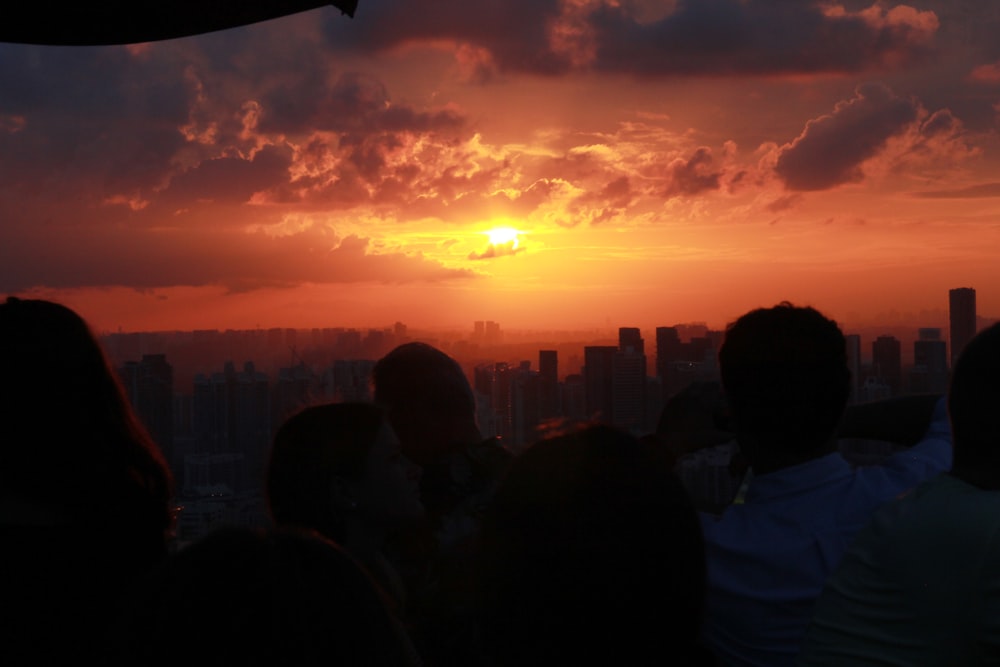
[(489, 457)]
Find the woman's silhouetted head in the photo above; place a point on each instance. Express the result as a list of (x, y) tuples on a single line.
[(338, 463), (72, 444), (592, 553)]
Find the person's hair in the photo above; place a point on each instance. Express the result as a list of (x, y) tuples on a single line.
[(311, 449), (423, 390), (784, 372), (258, 596), (591, 552), (973, 402), (419, 376), (73, 441)]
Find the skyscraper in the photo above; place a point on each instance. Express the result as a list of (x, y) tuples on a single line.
[(598, 365), (629, 381), (669, 349), (930, 363), (887, 362), (962, 315), (548, 367), (149, 384)]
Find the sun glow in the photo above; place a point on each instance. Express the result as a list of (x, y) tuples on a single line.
[(501, 236)]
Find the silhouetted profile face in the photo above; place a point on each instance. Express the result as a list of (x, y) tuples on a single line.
[(337, 462), (429, 401), (388, 492)]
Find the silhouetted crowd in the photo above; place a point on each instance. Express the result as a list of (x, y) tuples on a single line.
[(400, 536)]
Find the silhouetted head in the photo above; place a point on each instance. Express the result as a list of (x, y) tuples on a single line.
[(784, 372), (428, 399), (244, 596), (974, 410), (71, 442), (592, 553), (338, 462)]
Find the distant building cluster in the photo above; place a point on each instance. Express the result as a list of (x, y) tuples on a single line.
[(215, 420)]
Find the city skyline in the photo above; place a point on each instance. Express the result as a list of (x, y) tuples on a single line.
[(554, 165)]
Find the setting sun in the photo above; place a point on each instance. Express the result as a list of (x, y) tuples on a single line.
[(503, 236)]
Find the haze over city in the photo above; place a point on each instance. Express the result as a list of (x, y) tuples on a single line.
[(545, 164)]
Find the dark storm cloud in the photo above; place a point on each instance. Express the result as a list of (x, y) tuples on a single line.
[(353, 102), (709, 37), (90, 118), (515, 32), (603, 205), (694, 175), (230, 179), (700, 37), (832, 148)]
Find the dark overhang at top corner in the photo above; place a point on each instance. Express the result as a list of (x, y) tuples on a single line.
[(108, 22)]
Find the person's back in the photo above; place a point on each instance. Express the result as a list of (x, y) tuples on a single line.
[(786, 380), (921, 583), (591, 554), (259, 597), (85, 494)]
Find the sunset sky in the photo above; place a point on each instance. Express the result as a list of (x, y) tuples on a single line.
[(660, 161)]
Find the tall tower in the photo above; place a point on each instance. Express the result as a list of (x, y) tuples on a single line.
[(962, 314), (629, 381), (598, 365), (887, 362), (930, 363), (548, 368)]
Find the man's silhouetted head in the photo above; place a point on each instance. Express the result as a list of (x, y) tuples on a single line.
[(974, 409), (429, 401), (784, 371)]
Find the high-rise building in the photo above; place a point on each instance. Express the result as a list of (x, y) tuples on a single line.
[(628, 384), (149, 384), (630, 339), (598, 374), (493, 381), (887, 362), (853, 349), (669, 350), (548, 369), (930, 363), (962, 316), (525, 416)]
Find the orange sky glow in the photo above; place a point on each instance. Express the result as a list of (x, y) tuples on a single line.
[(660, 162)]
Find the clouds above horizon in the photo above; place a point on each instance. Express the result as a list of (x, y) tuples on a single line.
[(293, 152), (697, 38), (834, 149)]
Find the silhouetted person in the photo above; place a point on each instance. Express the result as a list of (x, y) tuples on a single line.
[(85, 494), (921, 583), (432, 408), (785, 376), (592, 554), (257, 598), (338, 469)]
